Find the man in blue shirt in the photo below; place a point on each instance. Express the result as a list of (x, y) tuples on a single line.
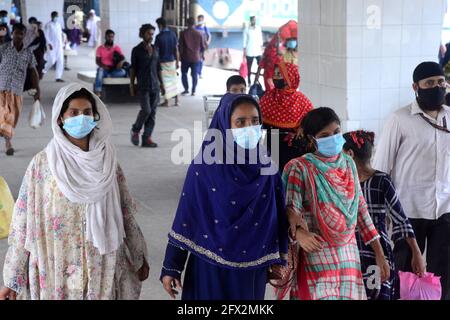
[(166, 44), (203, 29)]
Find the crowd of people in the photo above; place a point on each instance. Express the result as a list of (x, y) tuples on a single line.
[(27, 53), (322, 221)]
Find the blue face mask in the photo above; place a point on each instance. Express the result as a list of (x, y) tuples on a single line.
[(248, 137), (291, 44), (331, 146), (79, 127)]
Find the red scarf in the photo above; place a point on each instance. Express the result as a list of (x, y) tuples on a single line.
[(271, 55), (285, 108)]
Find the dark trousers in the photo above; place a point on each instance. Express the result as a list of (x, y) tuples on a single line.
[(249, 66), (434, 235), (147, 116), (185, 66)]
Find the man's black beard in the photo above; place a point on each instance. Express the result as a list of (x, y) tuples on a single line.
[(425, 108)]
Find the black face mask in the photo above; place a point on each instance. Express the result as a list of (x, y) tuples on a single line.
[(109, 43), (279, 83), (431, 99)]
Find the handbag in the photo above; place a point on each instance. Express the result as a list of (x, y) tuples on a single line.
[(37, 115), (256, 90), (117, 58), (243, 70), (288, 271), (6, 208)]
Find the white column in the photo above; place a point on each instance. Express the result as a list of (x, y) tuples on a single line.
[(126, 17), (42, 9), (358, 56)]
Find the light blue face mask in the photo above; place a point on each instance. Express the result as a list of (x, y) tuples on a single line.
[(79, 127), (331, 146), (291, 44), (248, 137)]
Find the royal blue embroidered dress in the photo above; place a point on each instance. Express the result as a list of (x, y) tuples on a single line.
[(230, 224)]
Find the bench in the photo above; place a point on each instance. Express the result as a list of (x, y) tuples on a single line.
[(114, 89)]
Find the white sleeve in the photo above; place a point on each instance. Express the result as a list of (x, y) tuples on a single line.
[(388, 145), (48, 34), (261, 39), (245, 38)]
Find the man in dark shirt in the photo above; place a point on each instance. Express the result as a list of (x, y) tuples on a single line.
[(144, 67), (203, 29), (191, 45), (167, 45)]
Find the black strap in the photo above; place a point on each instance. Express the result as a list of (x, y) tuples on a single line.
[(436, 126)]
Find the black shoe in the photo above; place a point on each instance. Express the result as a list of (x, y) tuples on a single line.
[(134, 138), (147, 142), (193, 94), (185, 92), (10, 152), (60, 80), (67, 69)]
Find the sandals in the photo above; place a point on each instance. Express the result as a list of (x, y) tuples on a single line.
[(10, 152)]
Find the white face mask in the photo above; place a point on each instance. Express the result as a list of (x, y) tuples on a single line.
[(247, 137)]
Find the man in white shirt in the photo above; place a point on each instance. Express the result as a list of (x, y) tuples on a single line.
[(253, 42), (415, 149), (55, 54)]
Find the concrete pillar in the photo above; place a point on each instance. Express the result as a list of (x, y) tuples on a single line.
[(42, 9), (126, 17), (358, 56)]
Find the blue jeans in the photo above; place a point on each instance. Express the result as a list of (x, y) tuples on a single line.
[(185, 66), (102, 73)]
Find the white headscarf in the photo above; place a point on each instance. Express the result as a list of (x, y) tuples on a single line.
[(89, 177)]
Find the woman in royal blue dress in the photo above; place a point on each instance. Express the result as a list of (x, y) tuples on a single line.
[(231, 224)]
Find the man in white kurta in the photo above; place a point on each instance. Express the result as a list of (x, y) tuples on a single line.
[(92, 26), (55, 54)]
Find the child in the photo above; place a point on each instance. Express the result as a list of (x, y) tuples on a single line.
[(382, 201), (236, 85)]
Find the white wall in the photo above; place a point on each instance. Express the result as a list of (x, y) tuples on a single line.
[(125, 17), (41, 9), (358, 56), (5, 5)]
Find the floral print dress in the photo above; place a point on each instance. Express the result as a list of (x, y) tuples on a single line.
[(49, 256)]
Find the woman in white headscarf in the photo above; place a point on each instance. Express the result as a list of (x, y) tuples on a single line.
[(73, 234)]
